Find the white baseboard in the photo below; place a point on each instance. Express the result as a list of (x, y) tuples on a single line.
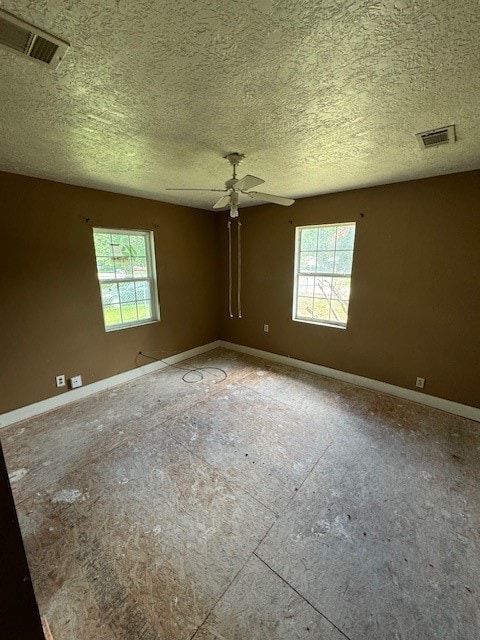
[(456, 408), (76, 394), (43, 406)]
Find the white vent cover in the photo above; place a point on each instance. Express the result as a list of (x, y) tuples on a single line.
[(30, 42), (434, 138)]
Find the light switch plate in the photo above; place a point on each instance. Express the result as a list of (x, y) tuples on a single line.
[(60, 381)]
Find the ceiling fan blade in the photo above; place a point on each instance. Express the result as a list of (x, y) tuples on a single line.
[(173, 189), (247, 182), (224, 200), (267, 197)]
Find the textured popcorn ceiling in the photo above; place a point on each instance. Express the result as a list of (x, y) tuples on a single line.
[(321, 95)]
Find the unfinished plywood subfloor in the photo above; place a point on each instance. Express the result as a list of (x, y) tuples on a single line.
[(274, 505)]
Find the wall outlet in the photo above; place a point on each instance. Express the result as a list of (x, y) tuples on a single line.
[(420, 383), (75, 382), (60, 381), (266, 328)]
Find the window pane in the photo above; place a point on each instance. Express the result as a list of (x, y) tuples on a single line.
[(127, 267), (138, 246), (325, 261), (144, 310), (305, 307), (345, 237), (117, 242), (305, 286), (121, 267), (127, 249), (323, 287), (109, 293), (326, 238), (111, 315), (105, 268), (321, 309), (139, 267), (127, 291), (343, 261), (142, 290), (103, 245), (308, 239), (339, 311), (307, 261), (341, 288), (130, 312)]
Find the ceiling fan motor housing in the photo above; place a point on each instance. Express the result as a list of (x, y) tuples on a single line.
[(235, 158)]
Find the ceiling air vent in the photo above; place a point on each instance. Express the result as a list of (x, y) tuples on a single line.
[(436, 137), (30, 42)]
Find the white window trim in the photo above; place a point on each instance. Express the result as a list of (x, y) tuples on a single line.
[(323, 323), (152, 280)]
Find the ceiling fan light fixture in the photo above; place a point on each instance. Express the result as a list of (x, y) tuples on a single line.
[(234, 204)]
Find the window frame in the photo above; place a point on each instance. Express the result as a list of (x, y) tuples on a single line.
[(151, 277), (298, 273)]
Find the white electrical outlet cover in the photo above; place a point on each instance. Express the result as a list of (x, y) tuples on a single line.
[(75, 382)]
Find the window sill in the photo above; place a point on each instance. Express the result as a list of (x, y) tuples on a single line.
[(130, 326), (330, 325)]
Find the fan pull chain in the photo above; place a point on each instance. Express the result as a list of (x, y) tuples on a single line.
[(230, 269), (239, 270)]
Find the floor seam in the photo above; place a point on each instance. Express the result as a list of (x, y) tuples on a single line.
[(234, 578), (226, 478), (220, 597), (301, 596), (307, 476)]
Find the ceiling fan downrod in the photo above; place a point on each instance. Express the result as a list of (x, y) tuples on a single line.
[(234, 159)]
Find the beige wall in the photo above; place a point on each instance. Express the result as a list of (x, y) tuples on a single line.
[(415, 304), (415, 301), (50, 313)]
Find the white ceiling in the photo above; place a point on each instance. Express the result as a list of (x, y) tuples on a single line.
[(320, 95)]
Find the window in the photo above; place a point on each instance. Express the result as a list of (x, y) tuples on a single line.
[(323, 267), (126, 274)]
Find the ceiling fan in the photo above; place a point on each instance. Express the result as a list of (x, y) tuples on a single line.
[(234, 187)]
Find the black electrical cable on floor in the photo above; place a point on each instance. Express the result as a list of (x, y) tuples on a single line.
[(197, 371)]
